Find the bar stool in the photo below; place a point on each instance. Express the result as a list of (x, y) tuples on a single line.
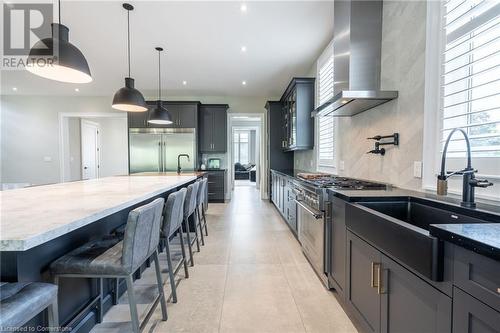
[(173, 214), (112, 258), (202, 196), (20, 302), (189, 209)]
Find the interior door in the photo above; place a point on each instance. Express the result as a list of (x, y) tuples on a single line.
[(145, 152), (90, 149)]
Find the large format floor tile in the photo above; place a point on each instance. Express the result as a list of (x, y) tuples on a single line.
[(250, 276)]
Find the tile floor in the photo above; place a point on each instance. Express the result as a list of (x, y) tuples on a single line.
[(251, 276)]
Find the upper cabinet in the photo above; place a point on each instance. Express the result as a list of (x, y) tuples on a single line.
[(213, 128), (297, 105), (184, 115)]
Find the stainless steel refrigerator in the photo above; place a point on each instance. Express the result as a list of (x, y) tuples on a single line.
[(156, 149)]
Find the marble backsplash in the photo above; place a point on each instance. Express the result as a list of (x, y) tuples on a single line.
[(403, 68)]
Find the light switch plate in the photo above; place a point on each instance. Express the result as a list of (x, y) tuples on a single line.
[(47, 159), (341, 165), (417, 169)]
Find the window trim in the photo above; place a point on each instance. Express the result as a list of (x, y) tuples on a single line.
[(433, 110), (321, 167)]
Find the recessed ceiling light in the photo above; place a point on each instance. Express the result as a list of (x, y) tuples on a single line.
[(244, 83), (243, 49), (14, 88), (184, 82), (243, 8), (77, 90)]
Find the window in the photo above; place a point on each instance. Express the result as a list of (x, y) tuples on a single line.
[(241, 146), (469, 89), (325, 125)]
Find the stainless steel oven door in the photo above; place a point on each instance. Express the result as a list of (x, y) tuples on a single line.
[(312, 237)]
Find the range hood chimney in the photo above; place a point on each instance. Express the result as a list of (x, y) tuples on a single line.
[(357, 41)]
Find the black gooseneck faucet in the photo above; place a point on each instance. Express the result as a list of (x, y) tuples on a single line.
[(469, 181), (179, 162)]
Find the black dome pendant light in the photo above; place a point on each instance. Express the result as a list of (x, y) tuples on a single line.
[(159, 115), (67, 64), (128, 98)]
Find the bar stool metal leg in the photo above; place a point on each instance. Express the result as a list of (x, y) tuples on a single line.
[(204, 218), (196, 231), (186, 222), (183, 251), (133, 305), (160, 286), (53, 315), (116, 291), (100, 313), (171, 272), (197, 212)]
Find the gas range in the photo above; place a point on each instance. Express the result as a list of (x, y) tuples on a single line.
[(312, 187), (343, 183)]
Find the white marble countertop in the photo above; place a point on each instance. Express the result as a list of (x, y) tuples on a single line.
[(35, 215)]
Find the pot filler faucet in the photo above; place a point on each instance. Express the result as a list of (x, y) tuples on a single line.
[(469, 181), (179, 161)]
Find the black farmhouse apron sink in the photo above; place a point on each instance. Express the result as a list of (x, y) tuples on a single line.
[(400, 228)]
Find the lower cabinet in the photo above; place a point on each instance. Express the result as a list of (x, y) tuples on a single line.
[(386, 297), (473, 316), (283, 198), (216, 186)]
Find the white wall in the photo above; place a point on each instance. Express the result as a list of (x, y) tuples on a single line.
[(30, 134)]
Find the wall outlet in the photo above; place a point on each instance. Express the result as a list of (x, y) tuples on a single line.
[(341, 165), (47, 159), (417, 169), (311, 164)]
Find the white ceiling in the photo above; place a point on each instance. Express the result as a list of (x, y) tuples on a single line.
[(203, 46)]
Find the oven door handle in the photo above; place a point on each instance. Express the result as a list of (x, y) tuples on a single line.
[(315, 213)]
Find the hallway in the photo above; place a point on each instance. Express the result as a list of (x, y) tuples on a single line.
[(251, 276)]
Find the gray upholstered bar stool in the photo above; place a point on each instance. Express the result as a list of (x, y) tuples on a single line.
[(200, 207), (120, 259), (22, 301), (189, 210), (173, 215)]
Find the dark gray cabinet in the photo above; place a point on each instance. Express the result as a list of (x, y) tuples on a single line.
[(337, 267), (283, 197), (216, 185), (213, 128), (409, 304), (478, 275), (472, 316), (362, 295), (184, 115), (386, 297), (277, 158), (297, 124)]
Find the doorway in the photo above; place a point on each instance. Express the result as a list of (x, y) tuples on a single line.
[(245, 150), (92, 145), (90, 148)]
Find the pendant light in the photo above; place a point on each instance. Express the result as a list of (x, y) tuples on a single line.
[(128, 98), (160, 115), (67, 65)]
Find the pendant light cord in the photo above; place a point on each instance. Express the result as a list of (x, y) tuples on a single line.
[(159, 76), (128, 40), (59, 8)]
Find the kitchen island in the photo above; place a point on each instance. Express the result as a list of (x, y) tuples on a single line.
[(40, 224)]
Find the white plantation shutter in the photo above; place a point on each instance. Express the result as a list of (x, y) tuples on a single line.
[(471, 77), (325, 124)]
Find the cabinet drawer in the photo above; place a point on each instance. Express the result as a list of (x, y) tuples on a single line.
[(478, 275), (472, 316)]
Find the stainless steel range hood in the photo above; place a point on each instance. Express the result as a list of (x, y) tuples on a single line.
[(357, 41)]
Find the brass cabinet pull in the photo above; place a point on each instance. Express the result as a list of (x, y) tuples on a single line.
[(498, 290), (372, 280), (379, 279)]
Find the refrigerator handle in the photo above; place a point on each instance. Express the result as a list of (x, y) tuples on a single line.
[(159, 156), (164, 156)]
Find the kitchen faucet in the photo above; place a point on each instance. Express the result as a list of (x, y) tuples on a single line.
[(179, 162), (469, 181)]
